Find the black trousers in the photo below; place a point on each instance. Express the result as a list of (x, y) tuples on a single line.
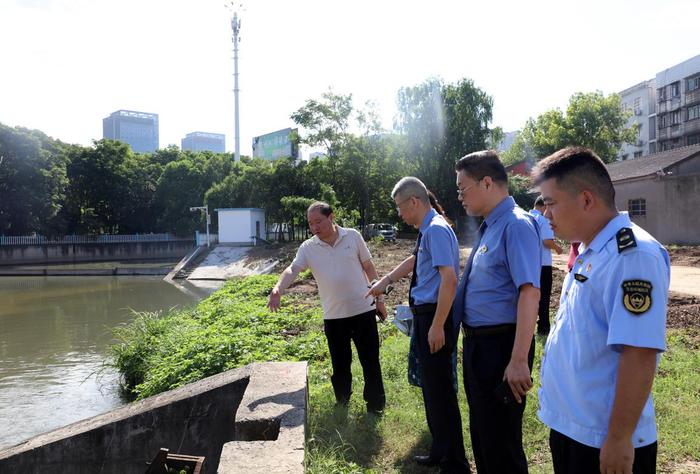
[(439, 395), (572, 457), (362, 330), (495, 427), (545, 296)]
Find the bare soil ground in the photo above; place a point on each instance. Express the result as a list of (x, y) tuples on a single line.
[(683, 310), (687, 256)]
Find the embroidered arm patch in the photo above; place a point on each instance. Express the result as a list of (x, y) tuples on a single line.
[(636, 296)]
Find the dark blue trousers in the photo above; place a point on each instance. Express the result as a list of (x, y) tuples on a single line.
[(571, 457), (495, 428), (439, 395)]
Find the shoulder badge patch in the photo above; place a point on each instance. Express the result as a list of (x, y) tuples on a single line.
[(636, 296), (625, 239), (580, 277)]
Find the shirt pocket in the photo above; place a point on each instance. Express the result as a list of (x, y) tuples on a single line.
[(346, 254), (585, 307), (488, 259)]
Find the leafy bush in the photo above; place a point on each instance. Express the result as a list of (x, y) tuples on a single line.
[(231, 328)]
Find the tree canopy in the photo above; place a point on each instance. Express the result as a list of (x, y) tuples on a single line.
[(53, 188), (592, 120)]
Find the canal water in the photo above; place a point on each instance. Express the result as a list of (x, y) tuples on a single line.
[(55, 334)]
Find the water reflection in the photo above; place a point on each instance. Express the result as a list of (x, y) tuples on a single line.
[(54, 337)]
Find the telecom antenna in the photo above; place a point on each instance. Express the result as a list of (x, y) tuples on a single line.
[(236, 28)]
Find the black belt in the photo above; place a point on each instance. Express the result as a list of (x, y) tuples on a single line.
[(428, 308), (479, 331)]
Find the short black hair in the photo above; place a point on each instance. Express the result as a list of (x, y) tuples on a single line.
[(323, 207), (483, 163), (539, 201), (577, 168)]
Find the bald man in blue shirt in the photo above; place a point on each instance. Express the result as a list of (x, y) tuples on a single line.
[(496, 302)]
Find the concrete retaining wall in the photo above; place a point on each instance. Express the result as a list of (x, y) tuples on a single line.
[(196, 419), (115, 271), (93, 252), (270, 423), (249, 420)]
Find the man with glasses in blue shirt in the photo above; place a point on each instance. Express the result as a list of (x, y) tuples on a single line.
[(434, 266), (496, 302)]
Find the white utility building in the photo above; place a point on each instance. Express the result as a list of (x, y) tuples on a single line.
[(241, 226)]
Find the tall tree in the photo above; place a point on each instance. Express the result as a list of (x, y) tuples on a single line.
[(181, 186), (326, 123), (98, 181), (443, 122), (591, 119), (32, 180)]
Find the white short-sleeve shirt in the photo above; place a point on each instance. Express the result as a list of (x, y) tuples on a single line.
[(342, 283)]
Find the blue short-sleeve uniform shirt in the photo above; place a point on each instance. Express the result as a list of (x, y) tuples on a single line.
[(546, 233), (616, 294), (438, 248), (508, 256)]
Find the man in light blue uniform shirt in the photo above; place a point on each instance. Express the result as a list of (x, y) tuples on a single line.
[(434, 266), (601, 355), (497, 302), (548, 244)]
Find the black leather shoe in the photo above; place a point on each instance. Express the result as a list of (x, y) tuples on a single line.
[(426, 460)]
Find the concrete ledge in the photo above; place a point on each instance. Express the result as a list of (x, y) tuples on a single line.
[(186, 260), (249, 420), (92, 252), (196, 419), (271, 422), (116, 271)]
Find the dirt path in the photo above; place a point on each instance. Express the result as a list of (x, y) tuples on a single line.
[(684, 279), (683, 304)]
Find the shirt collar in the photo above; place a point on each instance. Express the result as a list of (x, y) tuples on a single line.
[(426, 220), (503, 207), (609, 231), (535, 212), (341, 232)]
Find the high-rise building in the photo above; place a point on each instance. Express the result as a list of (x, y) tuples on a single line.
[(640, 101), (204, 141), (138, 129), (678, 106)]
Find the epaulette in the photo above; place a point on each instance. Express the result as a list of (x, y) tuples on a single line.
[(625, 239)]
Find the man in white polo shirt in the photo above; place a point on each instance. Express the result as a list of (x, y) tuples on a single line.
[(342, 267)]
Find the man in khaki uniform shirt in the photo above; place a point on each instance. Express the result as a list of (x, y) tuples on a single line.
[(342, 267)]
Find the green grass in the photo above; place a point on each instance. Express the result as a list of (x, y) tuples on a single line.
[(356, 442), (233, 328), (229, 329)]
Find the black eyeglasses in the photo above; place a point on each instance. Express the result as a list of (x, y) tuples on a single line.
[(461, 191), (398, 206)]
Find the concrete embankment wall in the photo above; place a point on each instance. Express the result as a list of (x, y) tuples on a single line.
[(93, 252), (251, 420), (196, 419)]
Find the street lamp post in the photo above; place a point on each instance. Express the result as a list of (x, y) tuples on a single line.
[(206, 213)]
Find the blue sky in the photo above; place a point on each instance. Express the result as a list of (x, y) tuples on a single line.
[(66, 64)]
